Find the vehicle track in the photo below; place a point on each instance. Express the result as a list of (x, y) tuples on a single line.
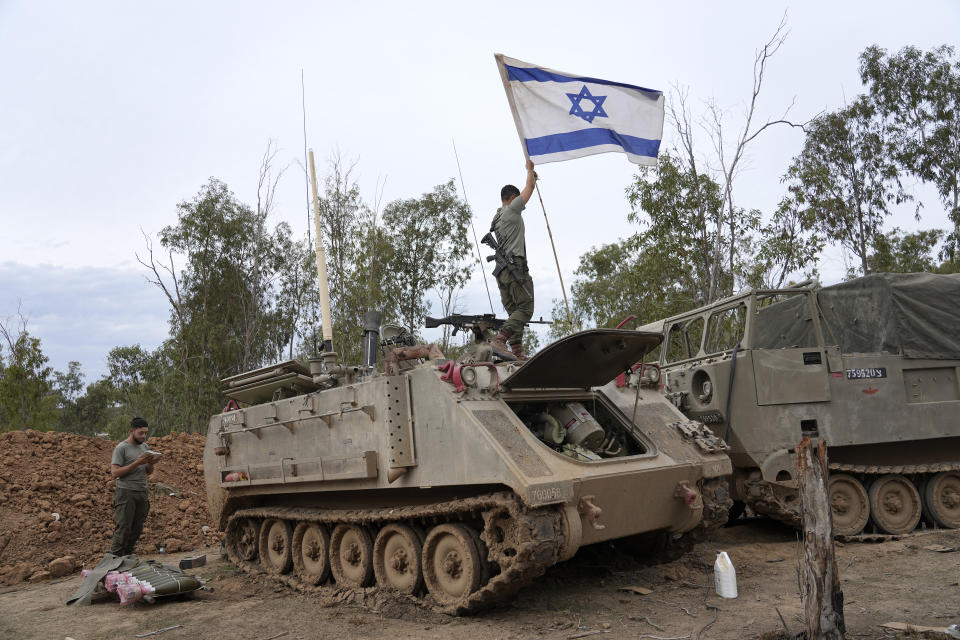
[(763, 497), (518, 544)]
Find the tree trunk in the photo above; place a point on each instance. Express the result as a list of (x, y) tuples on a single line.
[(819, 578)]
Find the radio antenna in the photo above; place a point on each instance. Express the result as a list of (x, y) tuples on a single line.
[(479, 261)]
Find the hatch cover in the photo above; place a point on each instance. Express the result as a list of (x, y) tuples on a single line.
[(583, 360)]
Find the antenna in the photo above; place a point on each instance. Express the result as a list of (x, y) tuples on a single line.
[(479, 261)]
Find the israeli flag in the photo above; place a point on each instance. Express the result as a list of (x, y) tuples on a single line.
[(561, 116)]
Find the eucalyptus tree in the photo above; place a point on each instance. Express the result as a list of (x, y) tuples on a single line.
[(918, 93), (26, 398), (429, 248), (222, 299), (845, 179), (899, 252)]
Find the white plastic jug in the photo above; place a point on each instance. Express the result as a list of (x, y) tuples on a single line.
[(725, 576)]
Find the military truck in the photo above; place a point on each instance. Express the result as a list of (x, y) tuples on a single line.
[(460, 479), (870, 364)]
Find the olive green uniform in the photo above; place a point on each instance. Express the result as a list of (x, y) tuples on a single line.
[(130, 502), (508, 225)]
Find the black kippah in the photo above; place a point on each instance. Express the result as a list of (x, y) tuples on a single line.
[(138, 423)]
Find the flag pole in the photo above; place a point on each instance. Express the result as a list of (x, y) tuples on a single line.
[(526, 156), (555, 259)]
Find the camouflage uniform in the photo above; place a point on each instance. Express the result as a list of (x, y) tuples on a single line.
[(508, 225)]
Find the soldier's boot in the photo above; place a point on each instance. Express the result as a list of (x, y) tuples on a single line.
[(499, 343), (517, 349)]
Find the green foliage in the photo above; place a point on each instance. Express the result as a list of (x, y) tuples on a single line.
[(246, 293), (67, 390), (97, 411), (389, 263), (844, 178), (224, 315), (679, 259), (343, 217), (788, 243), (633, 276), (918, 93), (430, 243), (684, 241), (531, 343), (26, 391), (899, 252)]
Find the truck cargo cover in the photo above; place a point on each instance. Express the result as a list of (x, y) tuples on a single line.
[(583, 360), (916, 315)]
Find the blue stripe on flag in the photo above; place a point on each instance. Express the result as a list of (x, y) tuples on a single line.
[(558, 142), (533, 74)]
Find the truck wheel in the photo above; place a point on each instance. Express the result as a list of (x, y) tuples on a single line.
[(397, 561), (941, 499), (351, 556), (849, 503), (451, 563), (894, 504), (311, 552), (275, 542)]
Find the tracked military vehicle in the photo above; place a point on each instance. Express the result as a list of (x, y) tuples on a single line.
[(461, 479), (872, 365)]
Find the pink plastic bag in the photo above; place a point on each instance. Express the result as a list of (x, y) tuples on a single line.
[(110, 581), (129, 592)]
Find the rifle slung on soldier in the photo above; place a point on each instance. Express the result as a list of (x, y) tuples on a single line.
[(503, 259)]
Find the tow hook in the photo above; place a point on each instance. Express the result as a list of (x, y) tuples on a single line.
[(587, 508), (688, 495)]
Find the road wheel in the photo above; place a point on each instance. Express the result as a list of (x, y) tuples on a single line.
[(311, 552), (351, 556), (894, 504), (275, 543), (451, 563), (397, 561), (941, 499), (849, 503), (243, 539)]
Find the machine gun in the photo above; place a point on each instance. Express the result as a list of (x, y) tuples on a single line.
[(479, 324), (503, 260)]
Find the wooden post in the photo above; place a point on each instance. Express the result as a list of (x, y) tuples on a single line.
[(819, 578)]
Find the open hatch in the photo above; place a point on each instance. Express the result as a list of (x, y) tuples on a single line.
[(583, 360), (554, 394)]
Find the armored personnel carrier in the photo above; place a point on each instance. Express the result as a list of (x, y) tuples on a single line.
[(872, 365), (461, 479)]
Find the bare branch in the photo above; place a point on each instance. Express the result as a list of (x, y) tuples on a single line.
[(176, 301)]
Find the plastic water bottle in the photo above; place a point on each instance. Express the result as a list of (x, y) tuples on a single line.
[(725, 576)]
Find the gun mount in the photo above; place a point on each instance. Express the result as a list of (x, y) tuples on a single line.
[(482, 326)]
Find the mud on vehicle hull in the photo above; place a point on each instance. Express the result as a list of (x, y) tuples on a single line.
[(451, 481), (508, 545)]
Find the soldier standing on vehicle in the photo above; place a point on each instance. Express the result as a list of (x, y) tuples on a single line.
[(131, 463), (516, 286)]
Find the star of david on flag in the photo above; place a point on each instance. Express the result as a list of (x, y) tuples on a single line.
[(597, 101), (561, 116)]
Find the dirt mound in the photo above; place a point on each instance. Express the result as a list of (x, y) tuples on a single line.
[(56, 499)]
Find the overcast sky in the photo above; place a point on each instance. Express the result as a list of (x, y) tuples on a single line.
[(113, 112)]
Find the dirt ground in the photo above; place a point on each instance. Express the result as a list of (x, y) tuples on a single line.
[(891, 581), (56, 500)]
